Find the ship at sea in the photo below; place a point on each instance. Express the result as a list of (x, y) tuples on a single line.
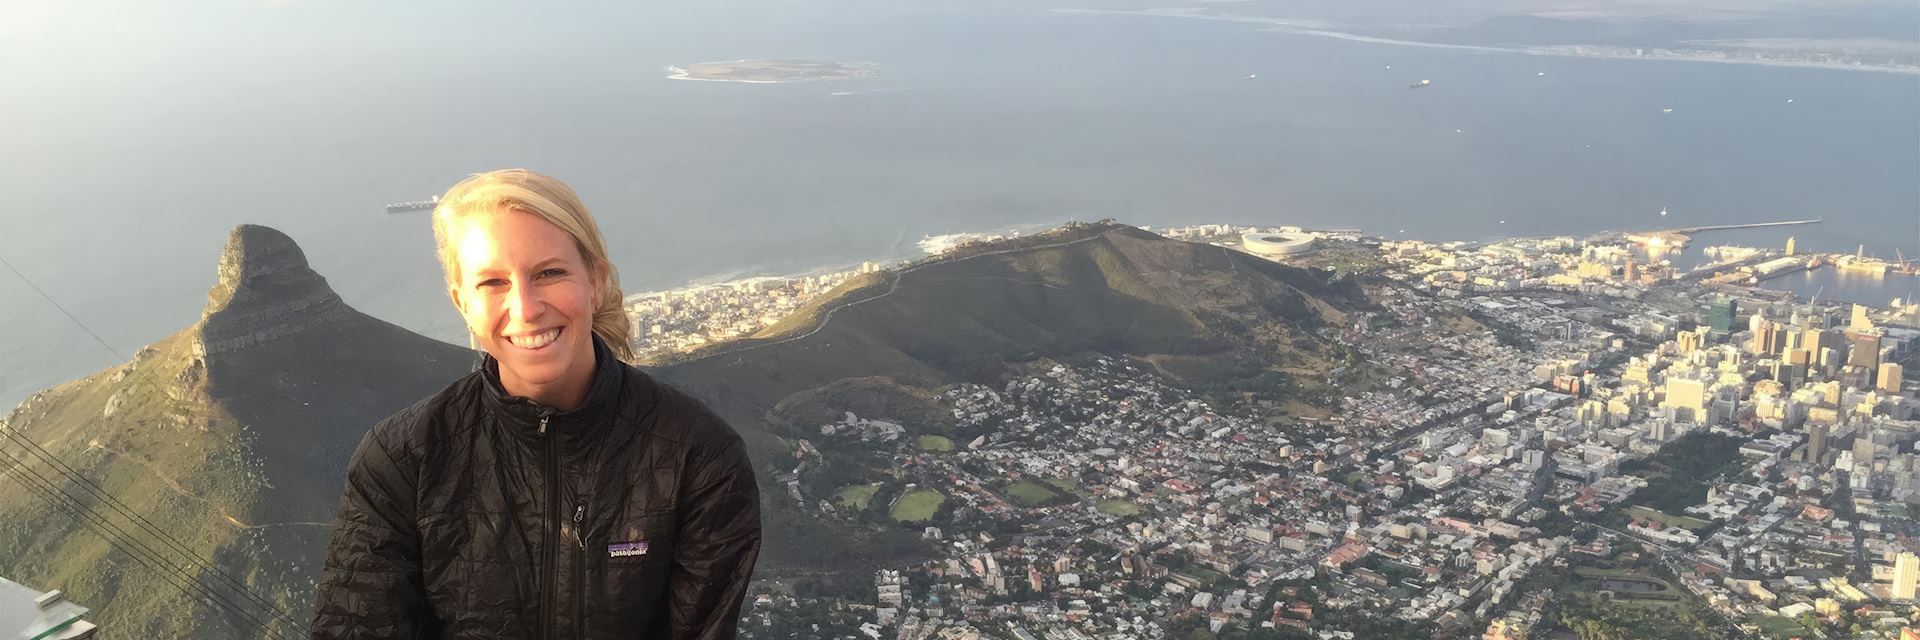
[(413, 205), (1420, 85)]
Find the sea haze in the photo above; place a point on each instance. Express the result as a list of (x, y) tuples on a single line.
[(146, 138)]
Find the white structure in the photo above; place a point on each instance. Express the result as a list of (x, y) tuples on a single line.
[(1906, 574), (1276, 244), (27, 613)]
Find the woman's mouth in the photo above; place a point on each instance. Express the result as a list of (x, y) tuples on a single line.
[(536, 341)]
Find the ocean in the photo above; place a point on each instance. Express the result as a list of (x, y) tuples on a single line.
[(147, 140)]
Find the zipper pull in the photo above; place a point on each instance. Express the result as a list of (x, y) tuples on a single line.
[(543, 425), (579, 535)]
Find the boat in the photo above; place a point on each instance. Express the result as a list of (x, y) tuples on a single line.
[(1420, 85), (1860, 263), (1865, 266), (413, 205)]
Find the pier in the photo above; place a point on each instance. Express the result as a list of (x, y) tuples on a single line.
[(1753, 225), (1682, 236)]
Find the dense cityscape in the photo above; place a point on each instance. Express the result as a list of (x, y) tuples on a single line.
[(1533, 435)]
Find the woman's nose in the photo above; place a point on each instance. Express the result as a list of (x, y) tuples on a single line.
[(522, 304)]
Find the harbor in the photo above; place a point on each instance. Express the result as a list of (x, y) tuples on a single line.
[(1836, 285)]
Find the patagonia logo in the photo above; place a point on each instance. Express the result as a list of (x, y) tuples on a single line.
[(624, 549)]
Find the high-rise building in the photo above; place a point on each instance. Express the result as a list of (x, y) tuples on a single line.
[(1864, 350), (1820, 317), (1860, 320), (1889, 378), (1831, 359), (1721, 314), (1533, 459), (1854, 377), (1906, 575), (1800, 357), (1863, 446), (1790, 375), (1769, 337), (1725, 406), (1688, 398), (1690, 341), (1812, 340), (1789, 245), (1660, 431), (1816, 441)]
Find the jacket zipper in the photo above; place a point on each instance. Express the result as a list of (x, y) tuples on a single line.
[(553, 533), (580, 570)]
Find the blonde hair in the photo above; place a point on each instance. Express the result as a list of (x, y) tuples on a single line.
[(545, 196)]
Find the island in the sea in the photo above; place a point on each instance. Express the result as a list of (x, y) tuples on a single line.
[(770, 71)]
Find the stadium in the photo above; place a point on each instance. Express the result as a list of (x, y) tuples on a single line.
[(1274, 245)]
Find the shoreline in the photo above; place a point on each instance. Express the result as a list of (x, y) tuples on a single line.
[(682, 73), (750, 274), (677, 73), (1563, 51), (1317, 29), (760, 273)]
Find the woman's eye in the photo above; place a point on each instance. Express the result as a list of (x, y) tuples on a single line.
[(492, 282), (554, 273)]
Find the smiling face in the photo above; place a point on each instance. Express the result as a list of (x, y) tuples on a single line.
[(528, 297)]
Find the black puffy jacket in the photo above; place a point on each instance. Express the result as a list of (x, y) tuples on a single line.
[(475, 514)]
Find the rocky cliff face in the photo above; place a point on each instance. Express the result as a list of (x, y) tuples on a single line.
[(265, 292)]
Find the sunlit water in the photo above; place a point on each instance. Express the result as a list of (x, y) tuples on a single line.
[(128, 167)]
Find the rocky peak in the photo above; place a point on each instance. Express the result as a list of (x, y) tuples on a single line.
[(265, 291)]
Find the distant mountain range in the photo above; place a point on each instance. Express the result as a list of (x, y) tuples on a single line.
[(230, 438)]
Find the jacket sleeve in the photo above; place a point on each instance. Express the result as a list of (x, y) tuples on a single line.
[(372, 586), (718, 541)]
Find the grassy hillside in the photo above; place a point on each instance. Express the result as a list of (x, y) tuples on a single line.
[(1090, 288), (229, 439), (1219, 316)]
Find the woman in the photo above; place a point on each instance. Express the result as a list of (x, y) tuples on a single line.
[(555, 492)]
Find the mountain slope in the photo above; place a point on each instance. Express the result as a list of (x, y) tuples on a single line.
[(1110, 288), (1201, 313), (230, 438)]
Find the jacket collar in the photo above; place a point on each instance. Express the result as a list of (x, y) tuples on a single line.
[(520, 410)]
